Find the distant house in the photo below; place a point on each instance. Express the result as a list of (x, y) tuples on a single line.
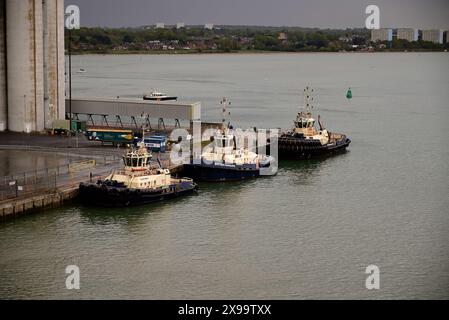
[(180, 25), (160, 25), (345, 39), (209, 26), (245, 40), (282, 37)]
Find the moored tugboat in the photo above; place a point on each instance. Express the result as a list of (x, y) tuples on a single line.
[(136, 184), (305, 141), (225, 161)]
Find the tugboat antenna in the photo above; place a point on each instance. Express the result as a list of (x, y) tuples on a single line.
[(308, 100), (225, 103)]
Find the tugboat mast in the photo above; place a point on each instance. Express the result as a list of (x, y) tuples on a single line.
[(225, 103), (308, 100)]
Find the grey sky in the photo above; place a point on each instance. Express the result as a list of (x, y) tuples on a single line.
[(304, 13)]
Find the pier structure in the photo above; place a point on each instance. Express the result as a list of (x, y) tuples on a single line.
[(133, 113), (31, 64), (28, 192), (22, 193)]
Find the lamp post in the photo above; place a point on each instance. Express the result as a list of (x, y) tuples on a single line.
[(67, 15)]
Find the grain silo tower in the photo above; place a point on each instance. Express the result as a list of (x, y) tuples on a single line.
[(31, 64), (3, 108)]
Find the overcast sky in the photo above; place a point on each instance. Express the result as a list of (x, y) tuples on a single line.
[(303, 13)]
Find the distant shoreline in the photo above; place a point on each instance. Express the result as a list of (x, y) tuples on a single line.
[(241, 52)]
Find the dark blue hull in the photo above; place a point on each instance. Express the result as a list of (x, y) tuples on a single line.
[(299, 148), (101, 194), (212, 173)]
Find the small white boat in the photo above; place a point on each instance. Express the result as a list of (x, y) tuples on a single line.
[(159, 96)]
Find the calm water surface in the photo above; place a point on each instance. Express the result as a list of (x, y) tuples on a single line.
[(309, 232)]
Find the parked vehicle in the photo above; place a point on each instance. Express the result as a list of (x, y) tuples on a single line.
[(115, 137), (156, 143)]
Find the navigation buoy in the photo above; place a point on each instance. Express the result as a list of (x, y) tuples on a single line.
[(349, 94)]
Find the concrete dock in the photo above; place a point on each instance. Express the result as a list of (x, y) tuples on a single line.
[(92, 162), (65, 189), (18, 207), (60, 185)]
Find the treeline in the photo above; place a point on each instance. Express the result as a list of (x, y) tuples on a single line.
[(400, 44), (228, 39)]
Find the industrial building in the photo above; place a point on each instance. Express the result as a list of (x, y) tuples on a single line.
[(32, 90), (108, 111), (381, 35), (408, 34), (435, 36)]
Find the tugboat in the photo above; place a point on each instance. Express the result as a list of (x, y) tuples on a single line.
[(305, 141), (225, 161), (137, 184), (158, 96)]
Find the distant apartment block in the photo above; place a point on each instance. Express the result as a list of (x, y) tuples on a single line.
[(408, 34), (160, 25), (381, 35), (435, 36), (209, 26), (180, 25)]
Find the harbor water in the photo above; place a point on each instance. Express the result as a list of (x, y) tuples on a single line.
[(308, 233)]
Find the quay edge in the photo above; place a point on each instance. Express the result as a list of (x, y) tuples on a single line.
[(20, 207)]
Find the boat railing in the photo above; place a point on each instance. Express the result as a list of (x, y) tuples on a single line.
[(135, 173)]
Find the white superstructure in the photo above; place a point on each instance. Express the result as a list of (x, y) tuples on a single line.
[(305, 123), (137, 173)]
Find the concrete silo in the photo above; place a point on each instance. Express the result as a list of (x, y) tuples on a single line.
[(54, 88), (35, 64), (3, 105)]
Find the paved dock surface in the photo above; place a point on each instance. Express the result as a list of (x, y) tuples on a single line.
[(65, 187)]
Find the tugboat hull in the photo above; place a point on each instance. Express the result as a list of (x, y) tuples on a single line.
[(104, 195), (211, 173), (297, 148)]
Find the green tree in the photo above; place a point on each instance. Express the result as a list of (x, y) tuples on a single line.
[(128, 38)]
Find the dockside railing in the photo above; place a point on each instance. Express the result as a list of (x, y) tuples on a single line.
[(48, 179)]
